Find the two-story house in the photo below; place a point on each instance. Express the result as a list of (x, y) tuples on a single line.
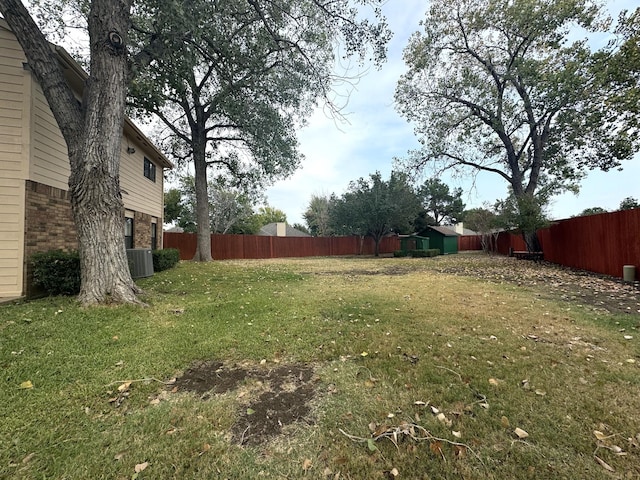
[(35, 213)]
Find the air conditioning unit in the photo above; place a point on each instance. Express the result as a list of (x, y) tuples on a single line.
[(140, 262)]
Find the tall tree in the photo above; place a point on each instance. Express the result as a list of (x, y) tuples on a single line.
[(92, 130), (440, 202), (234, 79), (496, 86), (374, 207), (317, 217)]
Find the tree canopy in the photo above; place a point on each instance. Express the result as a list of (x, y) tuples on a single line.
[(629, 203), (497, 86), (440, 203), (317, 216), (374, 207)]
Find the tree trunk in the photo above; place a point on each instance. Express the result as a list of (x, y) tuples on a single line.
[(377, 246), (531, 241), (203, 246), (93, 133), (94, 183)]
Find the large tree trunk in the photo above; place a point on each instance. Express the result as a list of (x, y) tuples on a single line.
[(93, 132), (95, 161), (203, 246)]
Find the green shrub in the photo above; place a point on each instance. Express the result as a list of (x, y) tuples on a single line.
[(401, 253), (57, 272), (433, 252), (165, 259), (419, 253)]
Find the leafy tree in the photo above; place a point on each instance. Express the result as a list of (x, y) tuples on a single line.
[(480, 220), (629, 203), (234, 78), (440, 202), (173, 205), (228, 207), (92, 130), (317, 216), (592, 211), (267, 215), (373, 207), (526, 213), (496, 86), (485, 222)]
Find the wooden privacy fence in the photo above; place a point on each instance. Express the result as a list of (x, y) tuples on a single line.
[(226, 247), (601, 243)]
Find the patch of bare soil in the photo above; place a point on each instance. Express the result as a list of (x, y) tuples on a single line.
[(598, 292), (271, 398)]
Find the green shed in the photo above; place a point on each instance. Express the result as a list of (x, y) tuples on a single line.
[(413, 242), (442, 238)]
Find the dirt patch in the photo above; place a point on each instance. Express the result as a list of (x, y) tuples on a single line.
[(270, 398)]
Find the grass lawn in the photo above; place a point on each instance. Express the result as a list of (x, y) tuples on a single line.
[(390, 368)]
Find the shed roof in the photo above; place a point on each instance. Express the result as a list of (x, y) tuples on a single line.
[(447, 232)]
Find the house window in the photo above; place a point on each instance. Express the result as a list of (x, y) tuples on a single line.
[(149, 169), (128, 232), (154, 236)]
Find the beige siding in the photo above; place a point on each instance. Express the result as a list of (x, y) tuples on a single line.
[(50, 158), (139, 193), (14, 81)]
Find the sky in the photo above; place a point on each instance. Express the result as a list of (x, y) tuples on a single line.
[(374, 134)]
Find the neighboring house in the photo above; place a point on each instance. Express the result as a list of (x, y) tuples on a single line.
[(460, 229), (281, 229), (35, 213)]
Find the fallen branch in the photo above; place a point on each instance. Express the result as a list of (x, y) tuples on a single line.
[(148, 379), (410, 430)]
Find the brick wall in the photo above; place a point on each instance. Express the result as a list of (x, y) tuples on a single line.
[(141, 230), (49, 225)]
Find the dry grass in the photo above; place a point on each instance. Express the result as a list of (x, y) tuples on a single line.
[(388, 339)]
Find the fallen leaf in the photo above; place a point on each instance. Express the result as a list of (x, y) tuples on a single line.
[(443, 418), (520, 433), (140, 467), (494, 382), (155, 401), (419, 403), (601, 436), (434, 410), (371, 444), (119, 456), (364, 354), (456, 434), (504, 421), (28, 457), (436, 447), (394, 472), (124, 387), (250, 411), (26, 385), (459, 451), (604, 464)]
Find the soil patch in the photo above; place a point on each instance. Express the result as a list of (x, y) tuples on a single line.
[(271, 398)]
